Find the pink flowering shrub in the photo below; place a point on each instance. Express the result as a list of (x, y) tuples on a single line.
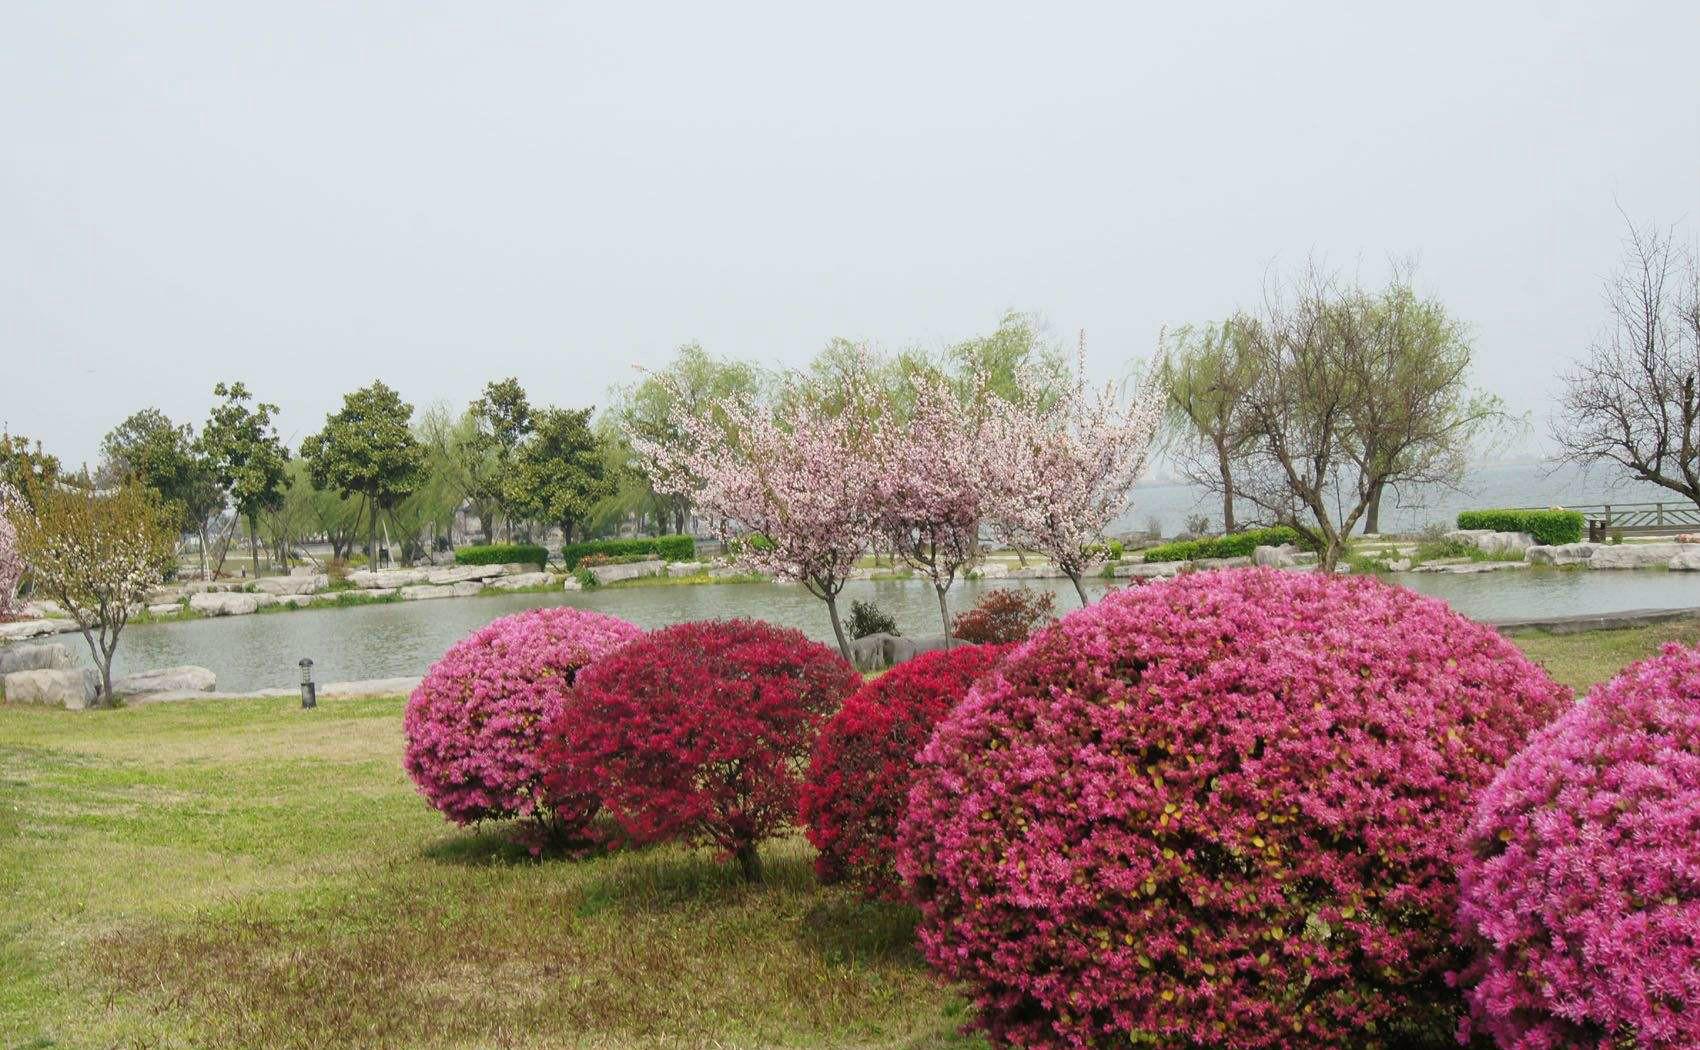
[(1581, 884), (864, 764), (1217, 811), (475, 724), (697, 733)]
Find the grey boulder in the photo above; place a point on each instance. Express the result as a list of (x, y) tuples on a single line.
[(187, 678), (49, 657), (281, 585), (215, 604), (73, 688)]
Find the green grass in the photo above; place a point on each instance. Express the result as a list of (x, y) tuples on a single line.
[(248, 874), (244, 873)]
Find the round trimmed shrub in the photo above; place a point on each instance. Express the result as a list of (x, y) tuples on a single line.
[(1218, 811), (864, 764), (695, 733), (475, 724), (1581, 882)]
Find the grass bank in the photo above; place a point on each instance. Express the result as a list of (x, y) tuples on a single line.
[(246, 874)]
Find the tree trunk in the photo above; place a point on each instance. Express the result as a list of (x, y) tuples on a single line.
[(371, 533), (1079, 588), (838, 626), (749, 862), (254, 547), (1372, 514), (1226, 467), (944, 614), (202, 532)]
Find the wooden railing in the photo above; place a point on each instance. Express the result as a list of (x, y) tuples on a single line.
[(1637, 519)]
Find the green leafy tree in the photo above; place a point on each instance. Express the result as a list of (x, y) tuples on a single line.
[(247, 457), (559, 474), (999, 361), (1206, 373), (368, 449), (150, 450), (427, 514), (500, 420), (26, 466)]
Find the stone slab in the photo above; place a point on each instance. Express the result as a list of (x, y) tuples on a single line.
[(71, 688), (46, 657), (187, 678)]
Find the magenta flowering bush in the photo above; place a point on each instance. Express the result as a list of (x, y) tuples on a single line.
[(1218, 811), (475, 724), (1581, 884)]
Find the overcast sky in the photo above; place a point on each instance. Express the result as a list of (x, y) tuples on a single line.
[(307, 197)]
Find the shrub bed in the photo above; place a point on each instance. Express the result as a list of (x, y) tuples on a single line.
[(864, 764), (502, 554), (1233, 545), (1546, 526), (1581, 878), (697, 732), (474, 726), (667, 548), (1220, 811)]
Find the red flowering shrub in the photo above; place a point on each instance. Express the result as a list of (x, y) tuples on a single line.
[(864, 763), (697, 732), (1217, 811), (475, 724), (1581, 882), (1004, 615)]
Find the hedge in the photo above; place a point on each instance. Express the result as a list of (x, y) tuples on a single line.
[(502, 554), (1236, 545), (1550, 527), (667, 548)]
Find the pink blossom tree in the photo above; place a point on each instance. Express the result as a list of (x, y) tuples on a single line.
[(11, 559), (1063, 466), (791, 475), (934, 486)]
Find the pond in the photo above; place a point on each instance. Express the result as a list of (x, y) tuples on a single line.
[(392, 640)]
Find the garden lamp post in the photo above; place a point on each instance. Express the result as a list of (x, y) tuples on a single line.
[(309, 692)]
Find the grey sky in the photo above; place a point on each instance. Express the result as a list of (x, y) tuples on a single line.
[(306, 196)]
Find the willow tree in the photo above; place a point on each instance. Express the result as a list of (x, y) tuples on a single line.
[(1205, 372)]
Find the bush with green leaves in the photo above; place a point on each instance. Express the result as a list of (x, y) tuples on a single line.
[(503, 554), (667, 548), (1551, 527), (867, 618), (1233, 545)]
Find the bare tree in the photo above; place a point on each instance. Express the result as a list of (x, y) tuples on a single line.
[(1206, 371), (1634, 400)]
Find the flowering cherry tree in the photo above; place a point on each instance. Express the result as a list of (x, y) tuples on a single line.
[(97, 556), (1063, 466), (792, 475), (935, 484), (11, 561)]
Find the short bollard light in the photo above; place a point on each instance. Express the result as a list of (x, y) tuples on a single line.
[(309, 692)]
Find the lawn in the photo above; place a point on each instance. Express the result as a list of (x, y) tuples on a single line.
[(244, 873)]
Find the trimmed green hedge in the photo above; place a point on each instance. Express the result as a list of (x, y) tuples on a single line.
[(1546, 526), (1236, 545), (667, 548), (503, 554)]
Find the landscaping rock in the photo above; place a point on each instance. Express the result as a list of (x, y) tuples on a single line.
[(49, 657), (1274, 557), (425, 592), (686, 568), (463, 573), (22, 629), (44, 609), (72, 688), (388, 579), (166, 680), (1562, 554), (164, 609), (630, 570), (1141, 570), (520, 582), (216, 604), (871, 652), (280, 585), (572, 583), (1493, 542), (992, 570), (1634, 556), (1686, 560), (469, 589)]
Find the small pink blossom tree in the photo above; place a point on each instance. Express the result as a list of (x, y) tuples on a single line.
[(791, 475), (11, 559), (935, 484), (1063, 466)]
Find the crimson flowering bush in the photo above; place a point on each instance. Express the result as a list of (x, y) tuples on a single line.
[(864, 764), (1004, 615), (1580, 886), (696, 732), (475, 724), (1217, 811)]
